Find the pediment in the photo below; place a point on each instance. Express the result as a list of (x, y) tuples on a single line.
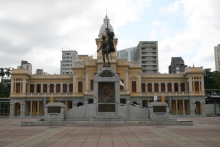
[(133, 78), (80, 78)]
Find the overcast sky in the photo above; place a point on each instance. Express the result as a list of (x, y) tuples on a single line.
[(37, 31)]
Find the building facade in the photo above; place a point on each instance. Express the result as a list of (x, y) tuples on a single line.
[(217, 57), (30, 93), (177, 65), (127, 53), (25, 65), (68, 59), (147, 55)]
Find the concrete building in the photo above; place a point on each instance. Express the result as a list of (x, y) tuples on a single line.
[(217, 57), (177, 65), (127, 53), (185, 91), (68, 59), (147, 55), (25, 65), (41, 72)]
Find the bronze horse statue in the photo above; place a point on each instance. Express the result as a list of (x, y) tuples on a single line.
[(107, 46)]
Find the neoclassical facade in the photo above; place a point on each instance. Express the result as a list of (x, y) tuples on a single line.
[(30, 93)]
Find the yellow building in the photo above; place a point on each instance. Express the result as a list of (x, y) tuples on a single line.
[(184, 92)]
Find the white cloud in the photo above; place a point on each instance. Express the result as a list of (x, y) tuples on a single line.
[(195, 43), (37, 31)]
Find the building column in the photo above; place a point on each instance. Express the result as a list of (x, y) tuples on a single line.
[(54, 88), (12, 85), (172, 86), (61, 87), (41, 88), (31, 109), (126, 79), (176, 108), (159, 86), (146, 89), (190, 85), (179, 87), (202, 85), (37, 108), (74, 76), (152, 84), (48, 88), (21, 86), (183, 108), (68, 87), (87, 88), (35, 88), (139, 76)]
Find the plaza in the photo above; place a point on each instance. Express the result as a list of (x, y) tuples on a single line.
[(204, 133)]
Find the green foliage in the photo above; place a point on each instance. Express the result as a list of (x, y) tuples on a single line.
[(209, 79), (216, 75), (4, 90)]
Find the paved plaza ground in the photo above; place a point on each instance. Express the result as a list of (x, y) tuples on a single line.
[(204, 132)]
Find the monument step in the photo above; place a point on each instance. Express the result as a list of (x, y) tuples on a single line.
[(104, 123)]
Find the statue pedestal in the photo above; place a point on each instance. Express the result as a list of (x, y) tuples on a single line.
[(106, 93)]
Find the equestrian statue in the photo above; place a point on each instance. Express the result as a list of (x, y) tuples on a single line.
[(107, 45)]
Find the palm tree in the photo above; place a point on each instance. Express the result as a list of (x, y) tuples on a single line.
[(2, 73), (8, 72)]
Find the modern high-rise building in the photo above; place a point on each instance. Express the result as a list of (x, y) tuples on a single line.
[(25, 65), (147, 54), (127, 53), (68, 58), (217, 57), (177, 65)]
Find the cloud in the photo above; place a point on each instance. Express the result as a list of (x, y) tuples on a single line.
[(196, 42), (37, 31)]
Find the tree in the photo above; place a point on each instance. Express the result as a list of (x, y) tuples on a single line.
[(2, 73), (8, 72), (4, 90), (216, 75), (209, 79)]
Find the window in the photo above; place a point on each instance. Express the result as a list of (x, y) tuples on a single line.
[(143, 87), (64, 87), (182, 87), (133, 86), (156, 87), (51, 88), (196, 86), (80, 87), (169, 87), (17, 87), (162, 87), (57, 88), (122, 101), (175, 87), (90, 101), (31, 88), (149, 87), (71, 88), (44, 88), (91, 85), (38, 88)]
